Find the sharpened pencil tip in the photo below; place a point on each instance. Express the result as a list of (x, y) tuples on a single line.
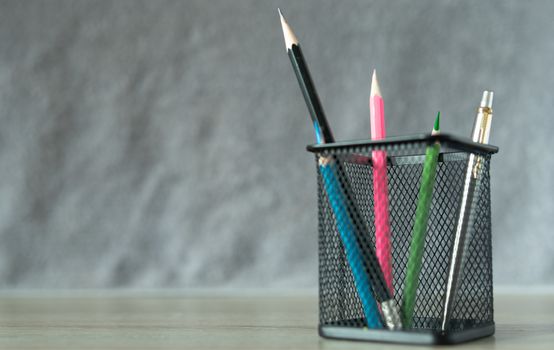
[(436, 127), (290, 38), (375, 89)]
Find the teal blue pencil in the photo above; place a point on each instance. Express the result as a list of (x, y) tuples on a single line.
[(420, 228), (347, 232)]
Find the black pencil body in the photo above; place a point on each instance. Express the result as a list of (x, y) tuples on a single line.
[(310, 94)]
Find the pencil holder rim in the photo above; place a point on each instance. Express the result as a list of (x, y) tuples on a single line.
[(461, 143)]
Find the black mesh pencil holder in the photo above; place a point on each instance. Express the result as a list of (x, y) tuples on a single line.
[(347, 249)]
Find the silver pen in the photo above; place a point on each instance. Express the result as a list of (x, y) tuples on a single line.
[(464, 222)]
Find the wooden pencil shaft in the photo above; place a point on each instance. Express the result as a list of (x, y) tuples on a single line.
[(419, 232), (369, 257), (391, 315), (309, 92), (349, 234)]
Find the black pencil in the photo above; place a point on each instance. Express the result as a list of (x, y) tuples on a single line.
[(360, 240), (323, 131)]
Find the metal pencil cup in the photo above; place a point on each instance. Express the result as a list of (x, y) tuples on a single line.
[(341, 313)]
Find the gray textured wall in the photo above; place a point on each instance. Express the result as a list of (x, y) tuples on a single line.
[(161, 143)]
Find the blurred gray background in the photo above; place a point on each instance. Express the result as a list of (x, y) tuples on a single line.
[(154, 144)]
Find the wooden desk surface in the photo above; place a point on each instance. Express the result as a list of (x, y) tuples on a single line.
[(233, 322)]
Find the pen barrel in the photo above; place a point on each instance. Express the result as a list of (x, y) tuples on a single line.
[(464, 223), (482, 125)]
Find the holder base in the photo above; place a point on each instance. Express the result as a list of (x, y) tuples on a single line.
[(416, 336)]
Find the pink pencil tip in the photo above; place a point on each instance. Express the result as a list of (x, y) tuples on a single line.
[(375, 89)]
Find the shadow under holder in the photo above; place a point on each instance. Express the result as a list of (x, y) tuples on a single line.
[(340, 310)]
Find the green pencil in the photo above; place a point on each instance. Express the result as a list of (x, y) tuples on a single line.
[(420, 228)]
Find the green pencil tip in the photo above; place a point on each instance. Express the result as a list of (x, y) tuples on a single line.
[(437, 122)]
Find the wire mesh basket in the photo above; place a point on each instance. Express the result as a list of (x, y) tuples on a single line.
[(342, 303)]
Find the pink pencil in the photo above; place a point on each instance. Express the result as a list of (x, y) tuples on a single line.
[(380, 190)]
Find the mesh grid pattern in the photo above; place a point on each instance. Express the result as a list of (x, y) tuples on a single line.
[(339, 302)]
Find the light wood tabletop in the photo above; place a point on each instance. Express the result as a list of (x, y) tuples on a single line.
[(173, 321)]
